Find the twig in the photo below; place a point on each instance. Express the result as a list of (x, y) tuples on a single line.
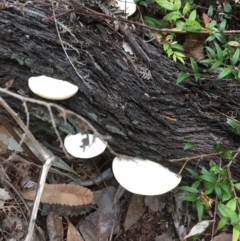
[(65, 112), (200, 156), (47, 165)]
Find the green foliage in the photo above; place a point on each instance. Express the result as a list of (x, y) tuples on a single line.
[(214, 186), (188, 146), (222, 55)]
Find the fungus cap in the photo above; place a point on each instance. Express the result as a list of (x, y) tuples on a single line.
[(50, 88), (143, 176), (128, 6), (74, 145)]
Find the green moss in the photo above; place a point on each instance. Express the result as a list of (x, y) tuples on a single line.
[(18, 57), (93, 116), (113, 129)]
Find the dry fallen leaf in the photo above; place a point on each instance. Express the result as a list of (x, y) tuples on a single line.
[(54, 227), (152, 202), (198, 228), (206, 19), (4, 195), (64, 194), (193, 45), (72, 233), (100, 225), (223, 237), (135, 210)]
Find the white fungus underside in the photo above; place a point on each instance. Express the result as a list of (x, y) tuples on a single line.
[(72, 144), (50, 88), (144, 177), (127, 6)]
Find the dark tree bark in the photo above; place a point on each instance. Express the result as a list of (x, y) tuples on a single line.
[(150, 118)]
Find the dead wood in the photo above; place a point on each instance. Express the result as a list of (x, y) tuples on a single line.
[(147, 117)]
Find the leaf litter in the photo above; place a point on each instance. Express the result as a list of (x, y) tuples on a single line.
[(99, 215)]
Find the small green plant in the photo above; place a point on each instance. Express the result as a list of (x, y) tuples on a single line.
[(214, 186), (222, 52)]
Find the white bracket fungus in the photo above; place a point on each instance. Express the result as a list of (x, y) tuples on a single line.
[(127, 6), (127, 48), (50, 88), (143, 176), (84, 146)]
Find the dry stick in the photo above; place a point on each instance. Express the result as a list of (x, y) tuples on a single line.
[(47, 165), (26, 149), (65, 112), (198, 156)]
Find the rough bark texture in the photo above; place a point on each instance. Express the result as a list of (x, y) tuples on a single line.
[(150, 118)]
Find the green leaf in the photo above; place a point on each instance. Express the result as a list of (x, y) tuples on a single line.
[(193, 173), (180, 59), (200, 209), (237, 185), (172, 16), (207, 61), (225, 185), (226, 196), (177, 4), (179, 24), (228, 213), (212, 25), (166, 47), (189, 189), (219, 52), (235, 234), (169, 52), (211, 52), (193, 15), (217, 146), (232, 204), (233, 43), (188, 145), (186, 8), (222, 222), (197, 76), (227, 8), (225, 72), (216, 65), (210, 38), (144, 3), (176, 46), (204, 170), (220, 37), (194, 65), (188, 197), (209, 187), (236, 226), (223, 25), (222, 210), (234, 124), (192, 29), (218, 191), (238, 73), (235, 57), (209, 177), (179, 54), (227, 154), (182, 76), (151, 21), (166, 4), (210, 11), (196, 184), (174, 57), (212, 164)]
